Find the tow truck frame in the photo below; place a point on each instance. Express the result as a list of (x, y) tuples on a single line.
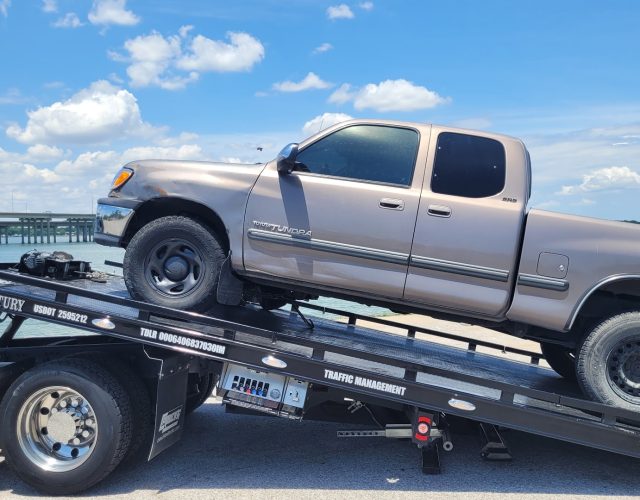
[(316, 361)]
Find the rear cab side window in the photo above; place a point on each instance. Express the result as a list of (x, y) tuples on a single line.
[(371, 153), (468, 165)]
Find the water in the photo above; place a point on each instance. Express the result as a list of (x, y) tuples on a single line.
[(97, 254)]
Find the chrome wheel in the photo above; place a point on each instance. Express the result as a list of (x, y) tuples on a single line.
[(174, 267), (57, 429), (623, 368)]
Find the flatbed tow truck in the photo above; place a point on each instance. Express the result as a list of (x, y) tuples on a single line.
[(74, 407)]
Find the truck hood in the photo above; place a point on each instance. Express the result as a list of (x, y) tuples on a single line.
[(195, 180)]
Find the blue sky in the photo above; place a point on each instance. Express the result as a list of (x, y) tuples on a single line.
[(87, 85)]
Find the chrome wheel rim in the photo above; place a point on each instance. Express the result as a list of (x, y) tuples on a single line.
[(623, 368), (174, 267), (57, 429)]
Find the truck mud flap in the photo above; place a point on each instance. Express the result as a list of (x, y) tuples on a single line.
[(171, 393), (230, 288)]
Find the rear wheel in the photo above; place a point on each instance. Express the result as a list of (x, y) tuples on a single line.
[(65, 425), (174, 261), (561, 359), (608, 365)]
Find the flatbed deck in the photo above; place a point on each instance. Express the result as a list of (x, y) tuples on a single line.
[(397, 368)]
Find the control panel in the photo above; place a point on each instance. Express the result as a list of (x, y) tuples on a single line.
[(263, 391)]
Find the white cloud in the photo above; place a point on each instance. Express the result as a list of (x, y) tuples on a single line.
[(323, 121), (311, 81), (94, 162), (56, 84), (107, 12), (185, 30), (89, 162), (342, 94), (156, 60), (389, 95), (204, 54), (42, 152), (324, 47), (366, 5), (41, 174), (151, 56), (95, 114), (607, 178), (4, 7), (184, 152), (12, 96), (342, 11), (115, 78), (49, 6), (69, 20)]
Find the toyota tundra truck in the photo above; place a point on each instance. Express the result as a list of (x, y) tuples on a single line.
[(410, 216)]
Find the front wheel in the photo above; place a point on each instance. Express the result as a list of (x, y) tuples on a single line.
[(174, 261), (608, 363), (65, 425)]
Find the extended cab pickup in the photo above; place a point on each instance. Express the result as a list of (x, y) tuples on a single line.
[(410, 216)]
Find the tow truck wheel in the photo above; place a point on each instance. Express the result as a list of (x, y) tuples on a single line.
[(608, 365), (65, 425), (561, 359), (175, 262), (201, 388)]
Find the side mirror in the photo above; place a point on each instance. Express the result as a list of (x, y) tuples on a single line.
[(286, 160)]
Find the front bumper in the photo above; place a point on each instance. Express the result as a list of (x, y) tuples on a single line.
[(111, 222)]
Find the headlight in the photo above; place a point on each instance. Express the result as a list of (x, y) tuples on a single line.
[(121, 178)]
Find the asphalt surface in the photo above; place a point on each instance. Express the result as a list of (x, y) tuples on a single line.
[(225, 455)]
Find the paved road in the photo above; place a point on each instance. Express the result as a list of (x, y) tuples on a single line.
[(237, 456)]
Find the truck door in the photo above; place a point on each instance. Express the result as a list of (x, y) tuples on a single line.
[(469, 223), (344, 218)]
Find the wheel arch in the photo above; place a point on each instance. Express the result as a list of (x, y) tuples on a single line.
[(613, 294), (162, 207)]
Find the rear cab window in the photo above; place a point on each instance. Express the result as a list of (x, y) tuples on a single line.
[(469, 166)]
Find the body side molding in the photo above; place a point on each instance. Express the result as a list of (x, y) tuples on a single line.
[(461, 268), (535, 281)]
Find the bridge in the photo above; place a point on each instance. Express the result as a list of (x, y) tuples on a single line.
[(46, 226)]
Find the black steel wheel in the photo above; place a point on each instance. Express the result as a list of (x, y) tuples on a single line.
[(174, 267), (623, 367), (174, 261), (608, 365), (65, 425), (561, 359)]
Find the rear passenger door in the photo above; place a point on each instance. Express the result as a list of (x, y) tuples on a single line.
[(469, 223)]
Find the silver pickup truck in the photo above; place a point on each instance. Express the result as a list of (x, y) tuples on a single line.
[(410, 216)]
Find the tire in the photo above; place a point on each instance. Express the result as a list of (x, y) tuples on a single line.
[(141, 410), (139, 398), (41, 427), (203, 388), (608, 364), (561, 359), (174, 262)]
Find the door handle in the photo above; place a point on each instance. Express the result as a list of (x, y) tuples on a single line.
[(439, 211), (391, 204)]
